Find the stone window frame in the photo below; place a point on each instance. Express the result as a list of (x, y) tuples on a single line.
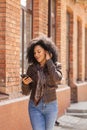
[(28, 10), (52, 19)]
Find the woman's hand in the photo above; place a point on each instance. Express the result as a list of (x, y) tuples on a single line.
[(27, 80), (48, 55)]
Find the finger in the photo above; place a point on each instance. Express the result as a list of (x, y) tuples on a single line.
[(27, 80)]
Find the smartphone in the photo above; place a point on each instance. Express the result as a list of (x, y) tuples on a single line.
[(24, 75)]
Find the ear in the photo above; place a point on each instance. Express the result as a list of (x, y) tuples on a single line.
[(45, 52), (50, 54)]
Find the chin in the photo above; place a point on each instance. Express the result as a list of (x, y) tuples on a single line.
[(38, 61)]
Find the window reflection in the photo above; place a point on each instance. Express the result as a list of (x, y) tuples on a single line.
[(26, 33)]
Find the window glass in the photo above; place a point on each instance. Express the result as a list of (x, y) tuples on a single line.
[(52, 19), (26, 33)]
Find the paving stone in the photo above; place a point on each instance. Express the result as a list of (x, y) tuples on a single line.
[(70, 122)]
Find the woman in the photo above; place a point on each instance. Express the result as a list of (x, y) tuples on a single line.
[(43, 75)]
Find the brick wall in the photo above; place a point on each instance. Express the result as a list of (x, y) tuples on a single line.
[(10, 21), (78, 13), (58, 28), (2, 41), (40, 17), (12, 45)]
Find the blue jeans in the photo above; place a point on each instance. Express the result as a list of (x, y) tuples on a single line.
[(43, 116)]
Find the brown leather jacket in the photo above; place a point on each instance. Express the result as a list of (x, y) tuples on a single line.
[(53, 76)]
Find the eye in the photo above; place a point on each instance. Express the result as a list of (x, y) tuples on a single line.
[(39, 51)]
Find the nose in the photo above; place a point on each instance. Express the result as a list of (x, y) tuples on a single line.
[(36, 55)]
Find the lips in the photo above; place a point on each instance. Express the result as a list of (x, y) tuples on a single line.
[(38, 58)]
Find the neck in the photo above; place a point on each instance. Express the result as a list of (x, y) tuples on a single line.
[(43, 63)]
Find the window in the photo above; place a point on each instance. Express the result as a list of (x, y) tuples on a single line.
[(26, 32), (52, 19)]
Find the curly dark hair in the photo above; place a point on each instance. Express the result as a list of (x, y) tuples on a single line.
[(46, 43)]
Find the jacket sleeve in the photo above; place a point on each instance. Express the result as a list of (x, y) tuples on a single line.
[(54, 71), (27, 88)]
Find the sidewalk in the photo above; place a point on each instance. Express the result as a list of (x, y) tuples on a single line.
[(75, 119)]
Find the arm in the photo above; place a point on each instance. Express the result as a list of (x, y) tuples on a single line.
[(27, 83), (54, 71), (26, 88)]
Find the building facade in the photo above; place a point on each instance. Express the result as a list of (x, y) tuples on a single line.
[(65, 21)]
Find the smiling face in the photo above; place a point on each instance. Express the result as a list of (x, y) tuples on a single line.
[(39, 54)]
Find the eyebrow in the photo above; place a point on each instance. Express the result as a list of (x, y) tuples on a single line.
[(38, 49)]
